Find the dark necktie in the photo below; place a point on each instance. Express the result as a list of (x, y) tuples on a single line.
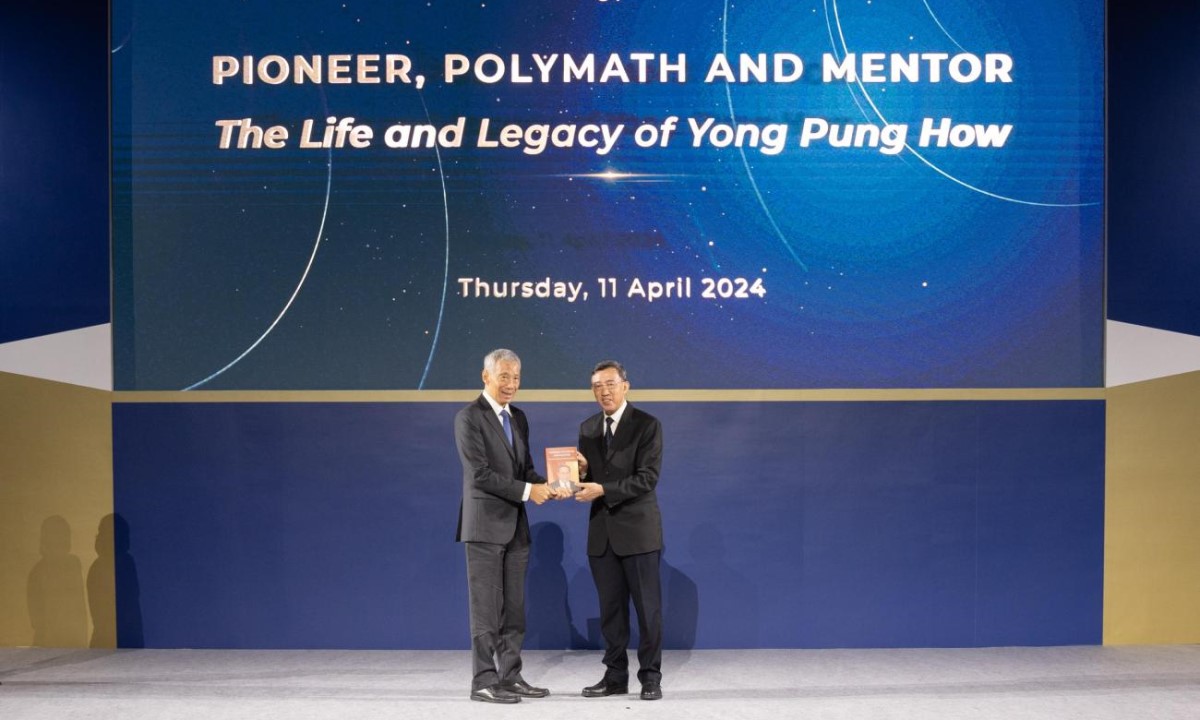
[(608, 422), (507, 427)]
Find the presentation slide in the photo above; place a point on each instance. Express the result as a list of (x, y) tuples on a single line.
[(372, 194)]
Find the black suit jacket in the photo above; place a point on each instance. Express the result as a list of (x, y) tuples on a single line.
[(494, 474), (626, 515)]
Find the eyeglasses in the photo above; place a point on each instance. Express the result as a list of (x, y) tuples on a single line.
[(609, 385)]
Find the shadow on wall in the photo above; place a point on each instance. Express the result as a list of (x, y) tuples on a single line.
[(549, 620), (681, 608), (59, 607), (114, 595), (54, 592), (565, 614), (733, 622)]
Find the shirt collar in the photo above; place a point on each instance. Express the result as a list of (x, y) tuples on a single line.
[(496, 407), (616, 417)]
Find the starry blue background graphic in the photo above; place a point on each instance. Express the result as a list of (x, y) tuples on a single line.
[(337, 269)]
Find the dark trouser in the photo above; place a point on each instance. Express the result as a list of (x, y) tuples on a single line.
[(496, 585), (619, 579)]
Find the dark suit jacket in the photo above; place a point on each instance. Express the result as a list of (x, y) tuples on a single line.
[(494, 474), (627, 514)]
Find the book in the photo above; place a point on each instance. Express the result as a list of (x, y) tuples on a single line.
[(562, 469)]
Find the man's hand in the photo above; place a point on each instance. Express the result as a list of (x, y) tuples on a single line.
[(540, 493), (562, 493), (582, 464), (589, 491)]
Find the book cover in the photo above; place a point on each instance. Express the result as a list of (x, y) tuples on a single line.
[(562, 469)]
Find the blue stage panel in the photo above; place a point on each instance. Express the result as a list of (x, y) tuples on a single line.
[(54, 225), (842, 524), (1153, 220)]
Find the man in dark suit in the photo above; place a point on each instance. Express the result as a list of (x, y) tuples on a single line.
[(498, 478), (620, 456)]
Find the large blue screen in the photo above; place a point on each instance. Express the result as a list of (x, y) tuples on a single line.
[(324, 195)]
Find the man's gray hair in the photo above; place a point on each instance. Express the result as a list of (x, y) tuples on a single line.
[(606, 364), (497, 356)]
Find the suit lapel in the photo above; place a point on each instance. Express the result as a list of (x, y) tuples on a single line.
[(518, 438), (624, 428), (491, 419), (595, 434)]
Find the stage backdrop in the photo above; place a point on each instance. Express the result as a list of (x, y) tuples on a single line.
[(767, 195), (757, 198)]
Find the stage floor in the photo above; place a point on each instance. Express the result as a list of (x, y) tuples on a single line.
[(1089, 683)]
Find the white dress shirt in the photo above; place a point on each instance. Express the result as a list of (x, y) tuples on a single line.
[(498, 408)]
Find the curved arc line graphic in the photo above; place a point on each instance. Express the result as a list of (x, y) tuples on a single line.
[(446, 268), (942, 27), (312, 257), (833, 45), (741, 151), (919, 156), (125, 40)]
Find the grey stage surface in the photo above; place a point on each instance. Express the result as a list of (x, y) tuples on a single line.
[(1092, 683)]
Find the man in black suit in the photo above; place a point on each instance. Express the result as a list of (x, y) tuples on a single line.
[(620, 456), (498, 478)]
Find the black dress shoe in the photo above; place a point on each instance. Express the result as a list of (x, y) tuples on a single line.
[(495, 694), (651, 691), (606, 687), (524, 689)]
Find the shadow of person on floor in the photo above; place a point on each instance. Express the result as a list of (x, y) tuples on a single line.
[(54, 591)]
